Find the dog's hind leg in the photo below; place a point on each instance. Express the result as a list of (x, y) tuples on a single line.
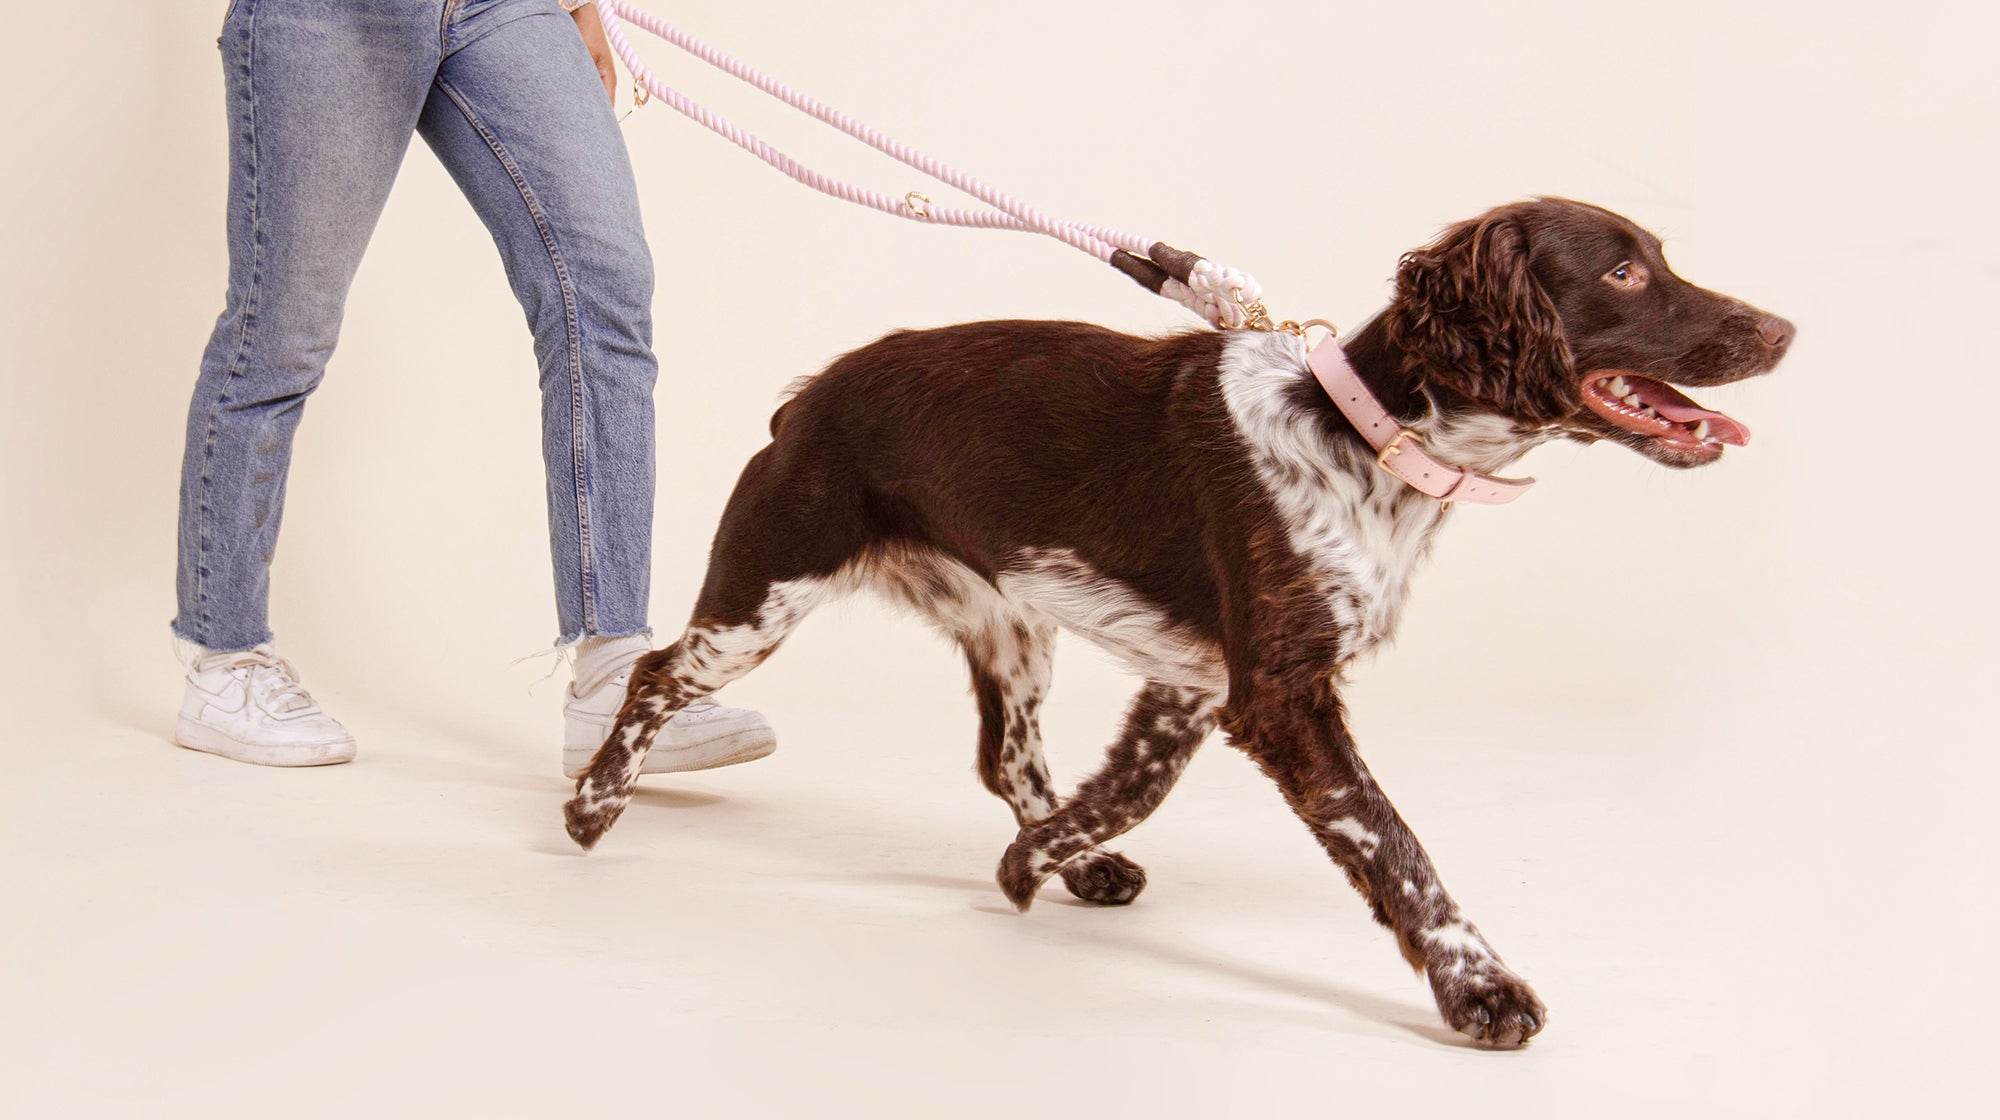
[(1011, 661), (775, 558), (1162, 729), (710, 653), (1011, 664)]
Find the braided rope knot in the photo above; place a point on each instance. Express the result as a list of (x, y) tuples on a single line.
[(1217, 293)]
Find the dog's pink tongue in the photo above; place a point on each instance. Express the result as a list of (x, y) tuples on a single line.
[(1670, 403)]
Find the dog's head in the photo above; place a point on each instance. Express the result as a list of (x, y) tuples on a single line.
[(1557, 314)]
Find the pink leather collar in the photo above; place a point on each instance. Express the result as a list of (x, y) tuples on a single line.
[(1399, 450)]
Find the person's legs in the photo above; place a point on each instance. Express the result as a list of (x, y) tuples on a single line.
[(519, 117), (322, 98)]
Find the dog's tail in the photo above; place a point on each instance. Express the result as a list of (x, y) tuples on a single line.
[(792, 389), (848, 361)]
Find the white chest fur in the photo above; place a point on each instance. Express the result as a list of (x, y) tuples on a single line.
[(1362, 530)]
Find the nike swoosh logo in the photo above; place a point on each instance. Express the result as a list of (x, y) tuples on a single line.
[(215, 699)]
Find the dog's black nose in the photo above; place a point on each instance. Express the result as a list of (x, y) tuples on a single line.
[(1776, 332)]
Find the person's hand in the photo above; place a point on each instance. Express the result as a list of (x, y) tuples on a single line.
[(600, 50)]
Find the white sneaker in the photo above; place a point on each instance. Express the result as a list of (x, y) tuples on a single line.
[(249, 706), (701, 736)]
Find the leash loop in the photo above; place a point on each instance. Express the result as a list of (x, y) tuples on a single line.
[(1225, 297)]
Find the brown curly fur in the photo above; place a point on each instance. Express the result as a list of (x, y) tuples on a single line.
[(1469, 317)]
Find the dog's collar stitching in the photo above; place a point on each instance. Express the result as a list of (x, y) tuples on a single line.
[(1398, 450)]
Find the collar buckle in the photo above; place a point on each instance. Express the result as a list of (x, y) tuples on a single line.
[(1394, 448)]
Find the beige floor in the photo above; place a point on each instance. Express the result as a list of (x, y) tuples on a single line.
[(817, 934)]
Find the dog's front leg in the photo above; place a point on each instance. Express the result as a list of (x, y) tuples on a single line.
[(1162, 728), (1299, 737)]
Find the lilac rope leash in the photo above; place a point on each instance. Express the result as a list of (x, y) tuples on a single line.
[(1224, 296)]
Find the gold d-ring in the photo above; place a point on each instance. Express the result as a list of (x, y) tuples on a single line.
[(919, 204), (1292, 326)]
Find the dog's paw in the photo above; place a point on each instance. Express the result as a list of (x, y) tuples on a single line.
[(587, 818), (1105, 878), (1488, 1003), (1038, 852), (1023, 869)]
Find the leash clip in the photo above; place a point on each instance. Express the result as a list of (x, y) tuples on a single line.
[(1255, 317), (640, 95)]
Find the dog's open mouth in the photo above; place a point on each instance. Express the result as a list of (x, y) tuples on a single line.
[(1660, 411)]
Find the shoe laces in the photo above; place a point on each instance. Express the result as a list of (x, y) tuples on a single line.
[(271, 679)]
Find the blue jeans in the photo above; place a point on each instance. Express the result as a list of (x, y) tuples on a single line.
[(323, 96)]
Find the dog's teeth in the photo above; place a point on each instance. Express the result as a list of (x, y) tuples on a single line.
[(1632, 400), (1701, 430), (1618, 387)]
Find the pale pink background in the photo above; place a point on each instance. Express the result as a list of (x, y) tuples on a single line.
[(1722, 791)]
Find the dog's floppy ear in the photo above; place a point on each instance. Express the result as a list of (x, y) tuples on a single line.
[(1470, 316)]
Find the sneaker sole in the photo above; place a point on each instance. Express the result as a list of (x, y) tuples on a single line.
[(199, 737), (736, 747)]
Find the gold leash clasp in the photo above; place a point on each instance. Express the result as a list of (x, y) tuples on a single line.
[(1255, 317), (640, 95)]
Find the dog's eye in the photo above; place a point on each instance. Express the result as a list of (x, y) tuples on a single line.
[(1628, 276)]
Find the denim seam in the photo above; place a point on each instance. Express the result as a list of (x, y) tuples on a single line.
[(444, 28), (573, 340), (244, 331)]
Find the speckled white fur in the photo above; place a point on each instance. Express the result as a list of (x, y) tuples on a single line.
[(1363, 530)]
